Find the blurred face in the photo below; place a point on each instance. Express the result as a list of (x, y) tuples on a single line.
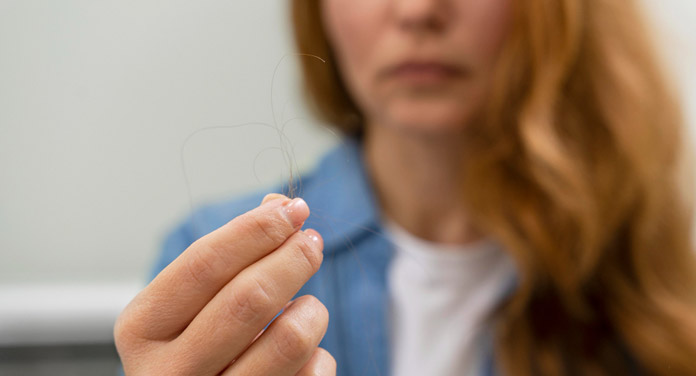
[(417, 65)]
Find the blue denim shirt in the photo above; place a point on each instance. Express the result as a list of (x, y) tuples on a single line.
[(352, 281)]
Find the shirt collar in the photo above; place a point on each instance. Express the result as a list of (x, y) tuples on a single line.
[(343, 206), (341, 197)]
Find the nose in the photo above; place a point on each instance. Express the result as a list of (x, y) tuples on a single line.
[(421, 15)]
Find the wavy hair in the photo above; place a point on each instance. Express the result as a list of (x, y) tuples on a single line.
[(583, 173)]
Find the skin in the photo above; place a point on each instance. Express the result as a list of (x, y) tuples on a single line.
[(200, 315), (413, 131), (205, 312)]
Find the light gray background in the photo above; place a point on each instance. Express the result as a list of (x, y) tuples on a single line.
[(96, 99)]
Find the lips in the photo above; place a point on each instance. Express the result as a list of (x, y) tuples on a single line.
[(425, 67), (424, 72)]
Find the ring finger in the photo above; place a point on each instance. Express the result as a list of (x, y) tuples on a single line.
[(288, 344)]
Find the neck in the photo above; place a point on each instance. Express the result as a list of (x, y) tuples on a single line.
[(416, 180)]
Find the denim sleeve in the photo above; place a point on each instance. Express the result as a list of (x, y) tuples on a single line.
[(175, 242)]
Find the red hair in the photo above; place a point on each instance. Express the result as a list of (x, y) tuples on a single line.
[(580, 171)]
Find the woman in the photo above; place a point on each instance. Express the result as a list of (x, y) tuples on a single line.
[(481, 135)]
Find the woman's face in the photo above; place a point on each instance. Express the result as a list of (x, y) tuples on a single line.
[(422, 66)]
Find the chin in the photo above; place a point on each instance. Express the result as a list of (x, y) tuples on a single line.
[(429, 119)]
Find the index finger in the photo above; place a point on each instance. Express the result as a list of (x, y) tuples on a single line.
[(189, 282)]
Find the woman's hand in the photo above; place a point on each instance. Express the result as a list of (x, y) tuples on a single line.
[(205, 312)]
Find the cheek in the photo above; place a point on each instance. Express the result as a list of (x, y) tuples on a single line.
[(352, 27), (489, 24), (344, 27)]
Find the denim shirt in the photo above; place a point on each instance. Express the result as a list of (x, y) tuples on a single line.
[(352, 281)]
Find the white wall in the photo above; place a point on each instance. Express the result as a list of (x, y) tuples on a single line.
[(96, 99), (97, 96), (675, 23)]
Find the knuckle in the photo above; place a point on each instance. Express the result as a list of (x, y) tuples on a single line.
[(321, 363), (320, 314), (299, 333), (251, 302), (121, 332), (292, 340), (199, 267), (308, 249), (125, 332), (271, 227), (328, 360)]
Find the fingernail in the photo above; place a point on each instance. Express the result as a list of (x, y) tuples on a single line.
[(271, 197), (295, 211), (314, 235)]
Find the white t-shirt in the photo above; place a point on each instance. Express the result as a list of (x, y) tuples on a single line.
[(439, 293)]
